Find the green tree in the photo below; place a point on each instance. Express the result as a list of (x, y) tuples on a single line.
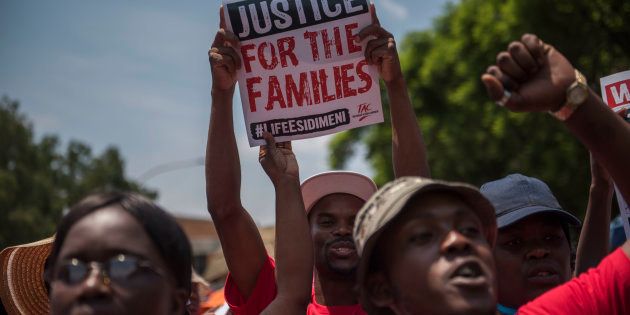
[(38, 181), (470, 139)]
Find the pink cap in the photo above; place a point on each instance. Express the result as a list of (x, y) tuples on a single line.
[(318, 186)]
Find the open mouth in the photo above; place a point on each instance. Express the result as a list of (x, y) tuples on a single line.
[(544, 275), (469, 274), (343, 249), (468, 270)]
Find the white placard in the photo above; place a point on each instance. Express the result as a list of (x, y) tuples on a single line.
[(616, 94), (302, 73)]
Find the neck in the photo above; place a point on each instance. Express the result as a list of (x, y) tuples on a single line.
[(334, 291)]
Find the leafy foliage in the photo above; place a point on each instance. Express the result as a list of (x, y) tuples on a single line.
[(37, 181), (469, 138)]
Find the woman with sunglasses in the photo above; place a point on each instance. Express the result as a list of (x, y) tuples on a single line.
[(118, 253)]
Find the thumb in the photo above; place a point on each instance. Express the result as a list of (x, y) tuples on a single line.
[(268, 148), (222, 23), (373, 14), (493, 86), (270, 140)]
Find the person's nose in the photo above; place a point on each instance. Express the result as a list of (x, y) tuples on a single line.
[(97, 282), (537, 252), (455, 242), (344, 229)]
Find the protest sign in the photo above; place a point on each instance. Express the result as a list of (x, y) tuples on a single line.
[(302, 73), (616, 94)]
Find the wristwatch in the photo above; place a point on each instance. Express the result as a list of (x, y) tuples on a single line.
[(577, 93)]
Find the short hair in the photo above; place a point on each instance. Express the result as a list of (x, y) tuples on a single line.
[(168, 237)]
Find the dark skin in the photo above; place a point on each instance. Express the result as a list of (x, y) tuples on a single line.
[(331, 221), (233, 223), (97, 237), (426, 248), (293, 264), (538, 76), (593, 244), (535, 253), (334, 281), (223, 172)]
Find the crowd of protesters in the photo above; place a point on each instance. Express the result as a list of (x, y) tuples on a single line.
[(415, 246)]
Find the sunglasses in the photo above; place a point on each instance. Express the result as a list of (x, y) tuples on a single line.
[(118, 269)]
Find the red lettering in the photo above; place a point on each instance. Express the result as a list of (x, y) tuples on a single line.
[(337, 76), (286, 46), (323, 82), (247, 58), (364, 108), (268, 65), (253, 95), (364, 76), (346, 80), (315, 84), (312, 37), (275, 93), (328, 43), (301, 95), (352, 48)]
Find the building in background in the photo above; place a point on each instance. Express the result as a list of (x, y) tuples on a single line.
[(208, 258)]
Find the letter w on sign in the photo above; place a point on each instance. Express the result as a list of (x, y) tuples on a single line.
[(616, 93), (616, 90)]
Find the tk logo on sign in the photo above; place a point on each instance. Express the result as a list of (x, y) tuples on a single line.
[(364, 110)]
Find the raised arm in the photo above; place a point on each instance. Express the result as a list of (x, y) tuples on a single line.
[(409, 153), (593, 244), (294, 248), (242, 245), (538, 77)]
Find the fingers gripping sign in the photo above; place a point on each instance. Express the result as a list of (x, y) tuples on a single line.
[(529, 76), (381, 49), (224, 60), (277, 159)]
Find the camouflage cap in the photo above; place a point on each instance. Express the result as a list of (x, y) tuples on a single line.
[(388, 202)]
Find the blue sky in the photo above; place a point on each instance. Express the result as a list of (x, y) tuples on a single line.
[(135, 74)]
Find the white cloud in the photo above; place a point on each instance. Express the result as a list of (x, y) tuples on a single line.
[(395, 9)]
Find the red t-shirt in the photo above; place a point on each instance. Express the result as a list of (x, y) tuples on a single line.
[(601, 290), (266, 290), (318, 309)]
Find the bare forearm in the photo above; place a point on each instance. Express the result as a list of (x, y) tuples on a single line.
[(607, 136), (593, 244), (285, 306), (294, 249), (237, 231), (409, 152), (223, 170)]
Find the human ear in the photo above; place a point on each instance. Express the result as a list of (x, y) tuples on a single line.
[(379, 290)]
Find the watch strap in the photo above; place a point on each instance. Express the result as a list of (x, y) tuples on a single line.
[(569, 108)]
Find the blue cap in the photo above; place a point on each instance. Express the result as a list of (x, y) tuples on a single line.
[(516, 197)]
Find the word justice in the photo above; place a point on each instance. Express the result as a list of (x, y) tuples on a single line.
[(282, 14)]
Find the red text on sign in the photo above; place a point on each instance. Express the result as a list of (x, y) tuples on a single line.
[(618, 94), (282, 51), (309, 87)]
